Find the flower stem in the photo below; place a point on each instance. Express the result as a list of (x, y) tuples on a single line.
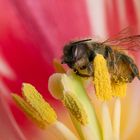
[(106, 123), (116, 119)]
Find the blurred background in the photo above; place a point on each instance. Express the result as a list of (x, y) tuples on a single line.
[(33, 33)]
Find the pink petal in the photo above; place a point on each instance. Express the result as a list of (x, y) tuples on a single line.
[(9, 128)]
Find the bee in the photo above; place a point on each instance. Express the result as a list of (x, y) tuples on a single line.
[(79, 56)]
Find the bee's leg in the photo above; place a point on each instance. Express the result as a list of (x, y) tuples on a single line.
[(110, 56), (108, 52), (90, 69), (80, 74), (132, 65)]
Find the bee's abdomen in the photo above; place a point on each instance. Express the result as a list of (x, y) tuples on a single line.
[(125, 69)]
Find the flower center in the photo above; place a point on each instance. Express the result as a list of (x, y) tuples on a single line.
[(70, 90)]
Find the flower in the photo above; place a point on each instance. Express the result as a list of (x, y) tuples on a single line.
[(69, 89), (30, 28)]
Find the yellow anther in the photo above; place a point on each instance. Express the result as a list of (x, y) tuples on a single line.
[(29, 110), (36, 101), (102, 78), (119, 89), (75, 107)]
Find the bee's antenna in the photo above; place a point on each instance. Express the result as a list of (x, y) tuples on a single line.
[(84, 40)]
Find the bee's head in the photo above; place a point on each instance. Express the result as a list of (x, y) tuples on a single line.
[(75, 54)]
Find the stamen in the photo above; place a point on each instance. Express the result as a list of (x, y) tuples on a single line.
[(102, 78), (59, 86), (106, 123), (116, 119), (75, 107), (36, 101)]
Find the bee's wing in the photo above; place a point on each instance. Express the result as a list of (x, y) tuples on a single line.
[(125, 40)]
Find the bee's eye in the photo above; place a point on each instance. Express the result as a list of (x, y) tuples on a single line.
[(79, 51)]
